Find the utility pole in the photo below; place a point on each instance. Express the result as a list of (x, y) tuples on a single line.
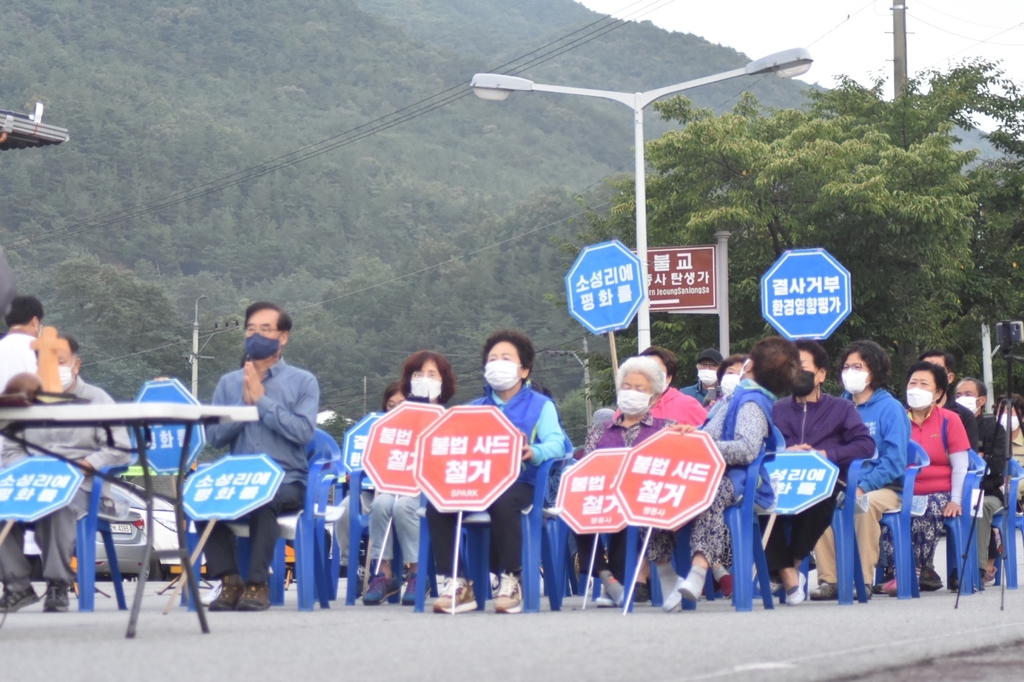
[(899, 42), (194, 357), (364, 395)]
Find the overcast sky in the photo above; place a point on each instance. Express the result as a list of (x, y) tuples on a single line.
[(851, 37)]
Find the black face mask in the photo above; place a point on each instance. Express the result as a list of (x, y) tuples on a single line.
[(804, 385)]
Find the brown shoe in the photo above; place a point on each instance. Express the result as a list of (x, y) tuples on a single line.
[(231, 587), (256, 597)]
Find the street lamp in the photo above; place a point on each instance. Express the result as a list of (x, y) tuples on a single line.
[(497, 87)]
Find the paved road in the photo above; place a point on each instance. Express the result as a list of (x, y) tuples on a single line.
[(885, 639)]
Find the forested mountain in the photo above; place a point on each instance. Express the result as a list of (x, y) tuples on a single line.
[(426, 232)]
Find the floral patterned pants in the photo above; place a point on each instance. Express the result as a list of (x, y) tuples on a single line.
[(710, 535), (925, 532)]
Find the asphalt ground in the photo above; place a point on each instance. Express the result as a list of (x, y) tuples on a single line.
[(885, 639)]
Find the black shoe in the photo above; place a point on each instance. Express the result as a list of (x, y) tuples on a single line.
[(929, 580), (954, 583), (641, 593), (56, 598), (15, 601)]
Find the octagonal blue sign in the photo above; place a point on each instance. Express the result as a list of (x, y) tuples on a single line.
[(806, 294), (604, 287), (355, 444), (166, 440), (231, 487), (801, 479), (37, 486)]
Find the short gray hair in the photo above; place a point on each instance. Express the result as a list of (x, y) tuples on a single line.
[(647, 366)]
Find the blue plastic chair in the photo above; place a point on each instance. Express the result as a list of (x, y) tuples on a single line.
[(747, 547), (899, 521), (959, 528), (849, 572), (1016, 527), (475, 551), (305, 528), (85, 549)]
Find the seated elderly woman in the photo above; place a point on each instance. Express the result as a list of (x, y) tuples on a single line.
[(740, 425), (639, 384), (942, 435)]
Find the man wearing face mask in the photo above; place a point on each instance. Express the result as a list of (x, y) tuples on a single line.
[(812, 420), (707, 375), (287, 399), (55, 534), (972, 394)]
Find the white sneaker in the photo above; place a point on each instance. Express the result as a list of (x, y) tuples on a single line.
[(604, 602), (673, 599), (690, 590), (798, 596)]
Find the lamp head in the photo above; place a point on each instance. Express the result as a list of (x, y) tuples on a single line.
[(785, 64), (497, 87)]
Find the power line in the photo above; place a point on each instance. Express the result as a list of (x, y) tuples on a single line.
[(959, 35), (408, 113), (960, 19)]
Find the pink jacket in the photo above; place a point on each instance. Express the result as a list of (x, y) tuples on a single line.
[(679, 407)]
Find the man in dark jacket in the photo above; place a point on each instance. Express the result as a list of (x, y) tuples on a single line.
[(972, 394)]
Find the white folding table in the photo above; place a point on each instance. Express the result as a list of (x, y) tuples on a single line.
[(138, 418)]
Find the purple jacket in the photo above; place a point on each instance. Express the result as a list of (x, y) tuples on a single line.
[(831, 424), (612, 435)]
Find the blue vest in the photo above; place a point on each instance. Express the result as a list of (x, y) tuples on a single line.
[(523, 410), (764, 495)]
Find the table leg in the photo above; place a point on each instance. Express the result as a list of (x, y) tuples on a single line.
[(140, 588), (187, 567)]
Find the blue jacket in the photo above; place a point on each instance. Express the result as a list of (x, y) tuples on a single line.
[(764, 495), (536, 416), (889, 425)]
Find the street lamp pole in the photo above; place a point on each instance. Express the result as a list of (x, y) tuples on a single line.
[(497, 87)]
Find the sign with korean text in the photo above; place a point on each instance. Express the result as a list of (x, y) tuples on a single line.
[(669, 479), (166, 440), (37, 486), (603, 287), (586, 493), (468, 458), (806, 294), (801, 479), (231, 487), (356, 438), (390, 455), (682, 279)]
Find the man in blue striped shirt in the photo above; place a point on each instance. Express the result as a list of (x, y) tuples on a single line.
[(287, 399)]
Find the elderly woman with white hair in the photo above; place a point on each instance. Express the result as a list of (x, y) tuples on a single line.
[(639, 383)]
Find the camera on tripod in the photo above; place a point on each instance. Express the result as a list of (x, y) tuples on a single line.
[(1009, 333)]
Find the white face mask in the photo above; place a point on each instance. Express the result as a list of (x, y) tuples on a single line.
[(729, 383), (855, 382), (968, 401), (501, 374), (425, 387), (632, 403), (918, 398), (707, 376), (1013, 425), (67, 377)]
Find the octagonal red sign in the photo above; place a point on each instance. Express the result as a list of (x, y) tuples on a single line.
[(471, 455), (669, 479), (390, 455), (586, 494)]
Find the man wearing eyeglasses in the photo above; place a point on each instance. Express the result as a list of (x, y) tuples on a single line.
[(287, 399)]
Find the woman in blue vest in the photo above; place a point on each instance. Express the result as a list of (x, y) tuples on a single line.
[(740, 424), (508, 360)]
